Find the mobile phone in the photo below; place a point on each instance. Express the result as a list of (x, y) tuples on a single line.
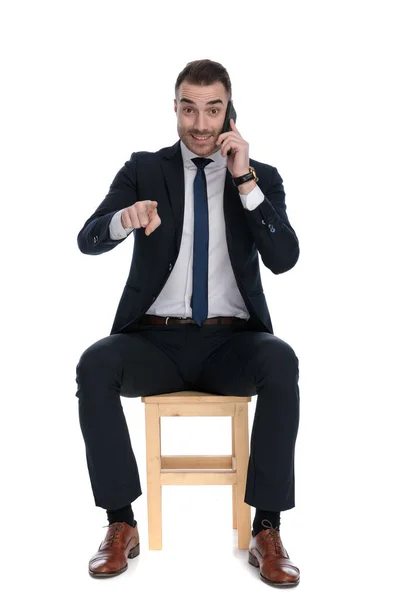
[(230, 114)]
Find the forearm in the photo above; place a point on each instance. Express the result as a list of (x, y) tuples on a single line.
[(266, 216), (276, 242), (94, 237)]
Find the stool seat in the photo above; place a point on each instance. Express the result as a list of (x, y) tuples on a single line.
[(228, 469)]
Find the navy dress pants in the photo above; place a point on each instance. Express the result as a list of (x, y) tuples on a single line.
[(226, 359)]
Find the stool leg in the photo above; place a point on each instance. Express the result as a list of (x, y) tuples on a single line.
[(153, 466), (234, 486), (242, 457)]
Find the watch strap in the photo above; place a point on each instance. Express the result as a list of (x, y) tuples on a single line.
[(247, 177)]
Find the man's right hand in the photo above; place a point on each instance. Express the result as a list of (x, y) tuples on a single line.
[(141, 214)]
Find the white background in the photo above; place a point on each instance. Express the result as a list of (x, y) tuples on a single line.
[(85, 84)]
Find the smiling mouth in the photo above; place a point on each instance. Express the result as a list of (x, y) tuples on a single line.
[(201, 138)]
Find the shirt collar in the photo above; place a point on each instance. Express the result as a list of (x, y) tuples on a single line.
[(187, 155)]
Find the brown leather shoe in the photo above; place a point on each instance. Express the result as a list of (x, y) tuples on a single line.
[(267, 552), (121, 542)]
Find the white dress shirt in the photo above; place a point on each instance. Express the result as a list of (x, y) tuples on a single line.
[(224, 297)]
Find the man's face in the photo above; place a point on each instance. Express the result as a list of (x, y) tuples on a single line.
[(201, 112)]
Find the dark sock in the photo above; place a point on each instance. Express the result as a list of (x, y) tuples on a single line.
[(264, 519), (123, 514)]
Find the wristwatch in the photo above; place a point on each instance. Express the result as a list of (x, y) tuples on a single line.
[(247, 177)]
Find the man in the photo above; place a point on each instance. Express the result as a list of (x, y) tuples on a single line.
[(193, 315)]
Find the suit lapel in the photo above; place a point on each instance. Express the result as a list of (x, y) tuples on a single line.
[(172, 167), (173, 170)]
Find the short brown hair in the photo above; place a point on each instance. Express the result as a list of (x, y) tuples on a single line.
[(204, 72)]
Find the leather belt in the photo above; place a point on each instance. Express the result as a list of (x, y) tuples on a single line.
[(155, 320)]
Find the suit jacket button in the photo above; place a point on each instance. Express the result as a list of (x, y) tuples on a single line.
[(271, 228), (263, 222), (169, 266)]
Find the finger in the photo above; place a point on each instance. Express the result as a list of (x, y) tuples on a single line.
[(128, 217), (131, 216), (230, 135), (225, 147), (233, 125), (222, 137), (142, 209), (155, 221), (125, 220), (231, 143), (145, 209)]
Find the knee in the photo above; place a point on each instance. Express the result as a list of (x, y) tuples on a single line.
[(290, 356), (282, 359), (287, 356), (96, 360)]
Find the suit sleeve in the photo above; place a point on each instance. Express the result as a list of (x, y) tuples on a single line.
[(273, 234), (94, 237)]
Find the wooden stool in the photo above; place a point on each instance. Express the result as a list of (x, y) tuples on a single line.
[(197, 470)]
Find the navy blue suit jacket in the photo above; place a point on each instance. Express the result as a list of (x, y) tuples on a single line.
[(264, 231)]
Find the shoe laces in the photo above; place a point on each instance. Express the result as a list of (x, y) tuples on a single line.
[(274, 535), (116, 529)]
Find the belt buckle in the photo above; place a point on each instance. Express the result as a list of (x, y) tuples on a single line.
[(181, 318)]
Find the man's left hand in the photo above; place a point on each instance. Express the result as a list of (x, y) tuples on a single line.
[(238, 161)]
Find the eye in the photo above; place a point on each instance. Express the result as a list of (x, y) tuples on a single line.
[(216, 110)]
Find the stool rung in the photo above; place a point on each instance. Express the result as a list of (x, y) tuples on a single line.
[(218, 409), (201, 477), (198, 462)]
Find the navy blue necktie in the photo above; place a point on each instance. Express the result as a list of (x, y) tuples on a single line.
[(199, 302)]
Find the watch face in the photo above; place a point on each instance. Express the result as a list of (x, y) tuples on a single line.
[(254, 173)]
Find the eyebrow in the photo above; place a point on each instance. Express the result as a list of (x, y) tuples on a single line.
[(208, 103)]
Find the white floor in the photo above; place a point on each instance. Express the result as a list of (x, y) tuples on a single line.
[(341, 533), (200, 558)]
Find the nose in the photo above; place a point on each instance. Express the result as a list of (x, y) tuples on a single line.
[(200, 123)]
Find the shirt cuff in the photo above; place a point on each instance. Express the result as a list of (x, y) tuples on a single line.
[(117, 230), (251, 200)]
